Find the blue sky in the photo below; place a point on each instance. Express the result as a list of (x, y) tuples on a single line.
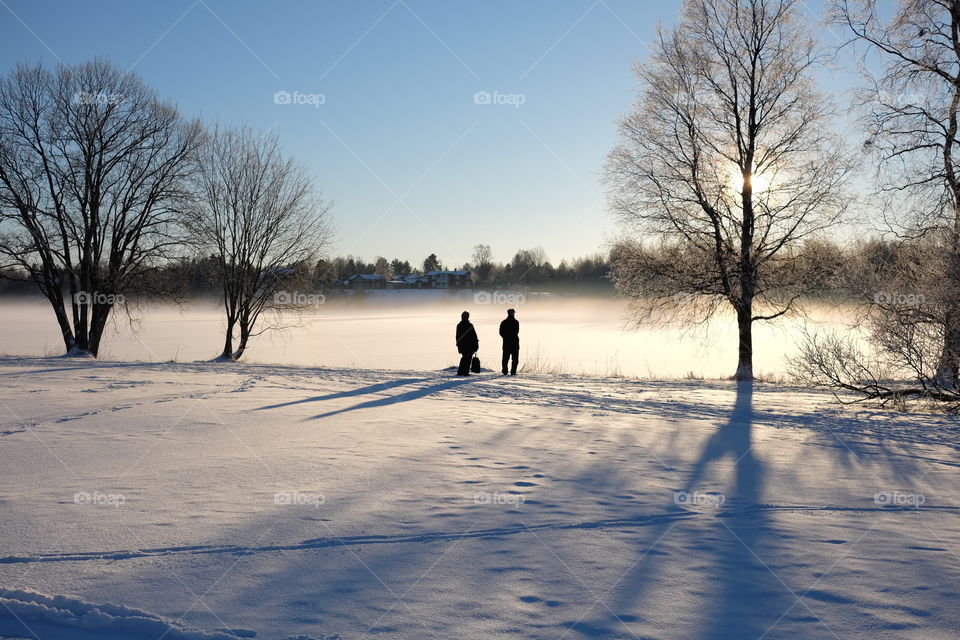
[(413, 163)]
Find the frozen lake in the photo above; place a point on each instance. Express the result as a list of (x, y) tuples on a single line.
[(409, 330)]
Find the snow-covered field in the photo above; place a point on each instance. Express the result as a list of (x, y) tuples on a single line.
[(414, 330), (158, 500)]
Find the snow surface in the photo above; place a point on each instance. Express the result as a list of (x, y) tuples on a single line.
[(37, 614), (225, 500), (411, 331)]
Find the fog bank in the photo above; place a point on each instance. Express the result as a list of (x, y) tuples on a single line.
[(404, 330)]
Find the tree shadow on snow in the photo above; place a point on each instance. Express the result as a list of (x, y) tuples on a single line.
[(425, 564), (373, 388), (738, 595), (406, 396), (749, 597)]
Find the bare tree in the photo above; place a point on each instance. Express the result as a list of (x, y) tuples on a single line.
[(728, 160), (482, 263), (261, 216), (910, 109), (840, 361), (482, 254), (894, 350), (92, 166), (382, 267)]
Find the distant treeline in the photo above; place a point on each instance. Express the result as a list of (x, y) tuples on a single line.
[(190, 276), (839, 271), (843, 272), (527, 268)]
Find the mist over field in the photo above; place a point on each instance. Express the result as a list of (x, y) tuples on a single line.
[(415, 330)]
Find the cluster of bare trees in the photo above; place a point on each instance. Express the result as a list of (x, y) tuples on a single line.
[(909, 108), (730, 168), (102, 182)]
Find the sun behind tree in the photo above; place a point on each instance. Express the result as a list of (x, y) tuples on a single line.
[(728, 160)]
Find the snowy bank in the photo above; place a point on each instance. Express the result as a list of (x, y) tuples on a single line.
[(347, 503)]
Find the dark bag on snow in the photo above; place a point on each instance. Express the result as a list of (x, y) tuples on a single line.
[(475, 365)]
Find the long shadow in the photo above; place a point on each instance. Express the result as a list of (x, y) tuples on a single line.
[(81, 366), (734, 439), (741, 581), (745, 596), (499, 533), (406, 396), (648, 403), (749, 597), (373, 388), (350, 541)]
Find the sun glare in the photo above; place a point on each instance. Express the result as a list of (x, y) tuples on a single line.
[(760, 181)]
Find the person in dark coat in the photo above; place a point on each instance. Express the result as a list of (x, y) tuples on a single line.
[(510, 332), (467, 343)]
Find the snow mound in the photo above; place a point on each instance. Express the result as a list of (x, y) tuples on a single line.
[(32, 614), (76, 352)]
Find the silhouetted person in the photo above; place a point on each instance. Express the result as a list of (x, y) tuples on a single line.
[(467, 343), (510, 332)]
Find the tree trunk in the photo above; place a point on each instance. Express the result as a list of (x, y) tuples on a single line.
[(745, 348), (56, 301), (748, 281), (244, 336), (81, 325), (947, 368), (949, 362), (82, 299), (98, 322), (228, 341)]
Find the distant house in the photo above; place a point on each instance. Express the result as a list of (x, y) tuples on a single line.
[(412, 281), (365, 281), (430, 280), (275, 274), (459, 279)]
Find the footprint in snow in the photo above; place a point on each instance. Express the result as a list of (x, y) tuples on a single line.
[(535, 599)]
